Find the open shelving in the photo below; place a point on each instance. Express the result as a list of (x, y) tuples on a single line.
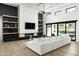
[(40, 24), (10, 27)]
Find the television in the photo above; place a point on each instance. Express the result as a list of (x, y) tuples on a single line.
[(29, 25)]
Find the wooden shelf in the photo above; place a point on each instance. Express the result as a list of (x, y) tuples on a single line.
[(40, 32), (40, 28), (10, 27), (10, 16), (11, 33), (9, 22), (40, 20), (40, 24)]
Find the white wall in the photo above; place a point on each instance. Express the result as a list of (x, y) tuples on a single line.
[(1, 30), (65, 17), (27, 14)]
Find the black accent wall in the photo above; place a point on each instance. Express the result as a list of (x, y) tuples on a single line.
[(12, 11), (8, 10)]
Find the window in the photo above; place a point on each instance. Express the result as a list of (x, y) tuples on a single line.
[(57, 13), (70, 9)]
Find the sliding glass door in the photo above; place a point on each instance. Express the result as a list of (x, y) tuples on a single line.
[(54, 29), (61, 28), (49, 31), (70, 29)]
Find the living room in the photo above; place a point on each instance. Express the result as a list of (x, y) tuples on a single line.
[(34, 29)]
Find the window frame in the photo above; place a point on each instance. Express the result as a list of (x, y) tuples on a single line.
[(55, 13), (70, 8)]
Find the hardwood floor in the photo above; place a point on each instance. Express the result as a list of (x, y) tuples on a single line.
[(18, 48)]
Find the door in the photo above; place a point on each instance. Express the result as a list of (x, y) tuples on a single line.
[(54, 29), (61, 28), (71, 30), (49, 30)]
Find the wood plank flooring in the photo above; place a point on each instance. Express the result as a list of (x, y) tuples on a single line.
[(18, 48)]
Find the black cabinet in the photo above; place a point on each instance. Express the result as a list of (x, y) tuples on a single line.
[(10, 37)]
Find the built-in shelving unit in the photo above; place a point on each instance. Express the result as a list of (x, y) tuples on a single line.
[(40, 24), (10, 27)]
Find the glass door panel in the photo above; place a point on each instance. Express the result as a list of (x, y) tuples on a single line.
[(49, 31), (54, 29), (61, 29), (70, 29)]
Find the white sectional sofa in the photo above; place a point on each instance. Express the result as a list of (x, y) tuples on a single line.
[(47, 44)]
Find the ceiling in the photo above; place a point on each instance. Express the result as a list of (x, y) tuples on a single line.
[(39, 6)]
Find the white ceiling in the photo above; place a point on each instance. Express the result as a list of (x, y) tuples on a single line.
[(39, 6)]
